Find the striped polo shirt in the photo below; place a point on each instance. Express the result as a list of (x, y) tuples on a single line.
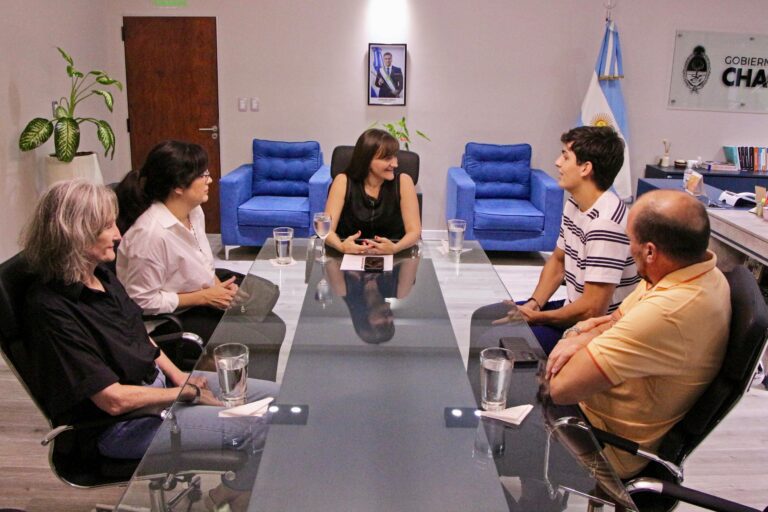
[(597, 248)]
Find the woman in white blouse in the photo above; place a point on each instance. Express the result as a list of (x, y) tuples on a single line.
[(164, 260)]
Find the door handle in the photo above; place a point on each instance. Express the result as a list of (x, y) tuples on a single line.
[(214, 129)]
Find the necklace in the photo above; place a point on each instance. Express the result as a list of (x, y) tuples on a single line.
[(194, 233), (197, 241)]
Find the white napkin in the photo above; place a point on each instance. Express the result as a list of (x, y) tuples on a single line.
[(276, 264), (513, 415), (443, 249), (257, 408)]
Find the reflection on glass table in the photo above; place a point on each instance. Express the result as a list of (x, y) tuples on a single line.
[(369, 295)]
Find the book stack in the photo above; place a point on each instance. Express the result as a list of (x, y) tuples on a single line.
[(748, 158)]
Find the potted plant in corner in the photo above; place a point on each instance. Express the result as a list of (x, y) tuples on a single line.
[(67, 162)]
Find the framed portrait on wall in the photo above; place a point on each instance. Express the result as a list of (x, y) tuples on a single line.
[(387, 64)]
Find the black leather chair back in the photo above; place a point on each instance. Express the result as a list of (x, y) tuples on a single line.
[(15, 279), (749, 324), (407, 161)]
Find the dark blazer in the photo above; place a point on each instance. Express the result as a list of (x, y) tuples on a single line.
[(396, 75)]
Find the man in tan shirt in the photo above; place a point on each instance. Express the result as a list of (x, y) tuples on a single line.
[(637, 371)]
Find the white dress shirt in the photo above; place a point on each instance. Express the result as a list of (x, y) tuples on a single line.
[(160, 258)]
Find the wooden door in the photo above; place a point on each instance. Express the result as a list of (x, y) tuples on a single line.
[(172, 87)]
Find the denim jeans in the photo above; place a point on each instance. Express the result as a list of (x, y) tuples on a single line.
[(201, 425)]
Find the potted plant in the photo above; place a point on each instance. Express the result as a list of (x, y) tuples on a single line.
[(400, 131), (66, 161)]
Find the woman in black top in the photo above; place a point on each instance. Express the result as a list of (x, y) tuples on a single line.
[(371, 202), (92, 352)]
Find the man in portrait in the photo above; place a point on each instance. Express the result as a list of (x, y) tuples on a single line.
[(389, 79)]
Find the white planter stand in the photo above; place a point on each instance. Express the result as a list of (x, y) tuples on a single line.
[(82, 166)]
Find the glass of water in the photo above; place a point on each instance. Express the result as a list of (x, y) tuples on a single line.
[(495, 375), (232, 367), (283, 238), (456, 228), (322, 223)]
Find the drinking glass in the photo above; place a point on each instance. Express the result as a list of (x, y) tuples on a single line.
[(322, 223), (283, 238), (232, 367), (456, 228), (495, 375), (323, 293)]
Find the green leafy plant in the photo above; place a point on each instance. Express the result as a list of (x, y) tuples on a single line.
[(400, 131), (64, 126)]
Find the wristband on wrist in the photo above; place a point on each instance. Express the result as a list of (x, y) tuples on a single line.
[(196, 398), (534, 301), (570, 330)]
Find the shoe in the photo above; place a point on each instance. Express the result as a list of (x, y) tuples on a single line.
[(212, 506), (759, 377)]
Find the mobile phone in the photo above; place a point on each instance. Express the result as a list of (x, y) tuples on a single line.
[(523, 353), (373, 264), (360, 241)]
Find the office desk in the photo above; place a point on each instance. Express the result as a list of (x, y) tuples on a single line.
[(376, 371), (739, 233)]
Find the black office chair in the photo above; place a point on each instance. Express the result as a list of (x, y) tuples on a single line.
[(656, 488), (73, 461), (407, 162)]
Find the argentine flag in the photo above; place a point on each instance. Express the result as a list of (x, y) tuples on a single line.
[(375, 66), (604, 102)]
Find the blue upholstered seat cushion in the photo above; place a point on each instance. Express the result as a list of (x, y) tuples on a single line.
[(507, 215), (284, 168), (274, 211), (499, 171)]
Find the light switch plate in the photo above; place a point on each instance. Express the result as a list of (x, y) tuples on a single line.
[(254, 104), (242, 104)]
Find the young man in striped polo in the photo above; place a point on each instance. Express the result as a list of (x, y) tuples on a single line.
[(592, 252)]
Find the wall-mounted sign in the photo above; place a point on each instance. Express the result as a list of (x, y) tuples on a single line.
[(717, 71)]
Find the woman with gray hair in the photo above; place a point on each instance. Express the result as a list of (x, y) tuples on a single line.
[(93, 355)]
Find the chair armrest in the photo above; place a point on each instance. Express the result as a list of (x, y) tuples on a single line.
[(460, 198), (634, 448), (685, 494), (234, 189), (100, 423), (182, 348), (168, 317), (318, 191), (547, 197), (187, 338)]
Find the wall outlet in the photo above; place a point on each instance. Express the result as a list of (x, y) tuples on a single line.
[(254, 104), (242, 104)]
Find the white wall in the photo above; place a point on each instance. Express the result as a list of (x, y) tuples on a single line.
[(500, 71), (34, 74)]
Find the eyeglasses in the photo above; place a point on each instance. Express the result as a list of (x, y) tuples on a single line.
[(206, 174)]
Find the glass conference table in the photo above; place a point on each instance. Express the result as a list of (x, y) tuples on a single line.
[(379, 378)]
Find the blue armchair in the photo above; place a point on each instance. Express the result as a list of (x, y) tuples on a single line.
[(507, 205), (285, 185)]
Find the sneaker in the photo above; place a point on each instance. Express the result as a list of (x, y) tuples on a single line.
[(759, 377)]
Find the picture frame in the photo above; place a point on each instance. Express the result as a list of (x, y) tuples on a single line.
[(387, 88)]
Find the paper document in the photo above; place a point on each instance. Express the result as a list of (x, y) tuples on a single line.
[(356, 261)]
